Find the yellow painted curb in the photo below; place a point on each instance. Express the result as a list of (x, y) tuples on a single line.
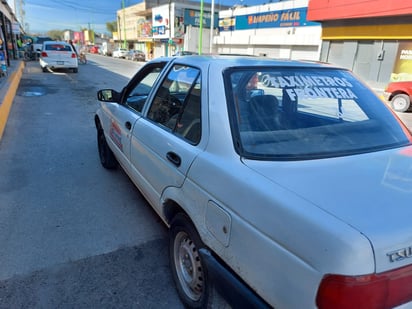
[(5, 106)]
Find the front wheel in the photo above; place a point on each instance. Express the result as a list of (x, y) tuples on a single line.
[(400, 103), (107, 158)]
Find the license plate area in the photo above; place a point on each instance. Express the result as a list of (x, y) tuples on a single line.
[(60, 62)]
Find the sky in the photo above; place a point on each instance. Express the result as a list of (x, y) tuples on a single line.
[(44, 15)]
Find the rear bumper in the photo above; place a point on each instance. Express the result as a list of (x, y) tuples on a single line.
[(229, 286), (58, 64)]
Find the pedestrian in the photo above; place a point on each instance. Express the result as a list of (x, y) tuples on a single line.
[(74, 48)]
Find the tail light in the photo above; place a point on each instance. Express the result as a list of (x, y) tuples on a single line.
[(44, 54), (74, 55), (375, 291)]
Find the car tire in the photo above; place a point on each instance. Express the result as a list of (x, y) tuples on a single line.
[(188, 270), (45, 70), (75, 70), (400, 103), (107, 158)]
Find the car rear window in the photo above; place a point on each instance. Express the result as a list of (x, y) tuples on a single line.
[(58, 47), (307, 113)]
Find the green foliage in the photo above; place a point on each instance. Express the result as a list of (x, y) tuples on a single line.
[(111, 26), (55, 34)]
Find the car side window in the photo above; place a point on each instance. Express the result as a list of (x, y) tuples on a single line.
[(177, 103), (137, 95)]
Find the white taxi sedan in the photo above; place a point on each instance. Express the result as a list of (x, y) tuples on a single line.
[(120, 53), (58, 55), (294, 192)]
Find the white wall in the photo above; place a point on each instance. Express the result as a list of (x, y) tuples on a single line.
[(301, 42)]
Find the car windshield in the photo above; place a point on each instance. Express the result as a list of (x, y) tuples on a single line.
[(40, 40), (307, 113)]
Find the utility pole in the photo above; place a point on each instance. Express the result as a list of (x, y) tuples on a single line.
[(169, 42), (124, 25), (212, 26), (201, 29)]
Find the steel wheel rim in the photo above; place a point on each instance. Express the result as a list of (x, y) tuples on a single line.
[(399, 103), (188, 266)]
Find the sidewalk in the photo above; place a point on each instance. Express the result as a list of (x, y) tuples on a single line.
[(8, 88)]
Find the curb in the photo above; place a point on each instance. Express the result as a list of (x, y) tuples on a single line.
[(10, 87)]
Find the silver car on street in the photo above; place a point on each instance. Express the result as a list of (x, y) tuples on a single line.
[(284, 184)]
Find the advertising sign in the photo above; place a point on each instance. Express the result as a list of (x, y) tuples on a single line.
[(15, 28), (272, 19), (402, 70), (160, 21), (192, 17)]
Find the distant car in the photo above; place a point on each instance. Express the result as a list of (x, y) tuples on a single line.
[(292, 196), (399, 95), (120, 53), (136, 55), (94, 49), (184, 53), (38, 42), (58, 55)]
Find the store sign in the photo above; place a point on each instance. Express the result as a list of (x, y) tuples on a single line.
[(160, 22), (271, 19), (227, 24), (402, 70), (15, 27), (192, 17), (159, 30)]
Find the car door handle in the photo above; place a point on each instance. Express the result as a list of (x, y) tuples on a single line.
[(128, 125), (174, 158)]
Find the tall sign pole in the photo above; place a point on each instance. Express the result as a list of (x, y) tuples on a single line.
[(201, 29), (124, 25), (212, 26)]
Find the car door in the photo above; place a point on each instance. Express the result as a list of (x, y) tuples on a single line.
[(167, 139), (123, 116)]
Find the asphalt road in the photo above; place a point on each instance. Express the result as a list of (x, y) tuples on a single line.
[(72, 234)]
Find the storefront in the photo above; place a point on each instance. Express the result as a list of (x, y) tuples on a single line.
[(9, 32), (185, 32), (375, 43), (277, 30)]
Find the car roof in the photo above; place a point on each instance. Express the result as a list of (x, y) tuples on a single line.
[(56, 42), (221, 62)]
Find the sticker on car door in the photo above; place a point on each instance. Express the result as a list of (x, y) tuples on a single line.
[(116, 134)]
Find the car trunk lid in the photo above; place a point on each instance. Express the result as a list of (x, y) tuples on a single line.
[(370, 192)]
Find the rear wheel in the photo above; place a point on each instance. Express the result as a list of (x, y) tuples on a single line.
[(188, 270), (107, 158), (401, 103)]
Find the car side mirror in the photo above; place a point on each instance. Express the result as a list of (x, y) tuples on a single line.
[(108, 95)]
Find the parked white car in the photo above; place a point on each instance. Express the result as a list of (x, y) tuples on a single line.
[(38, 43), (296, 194), (120, 53), (58, 55)]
